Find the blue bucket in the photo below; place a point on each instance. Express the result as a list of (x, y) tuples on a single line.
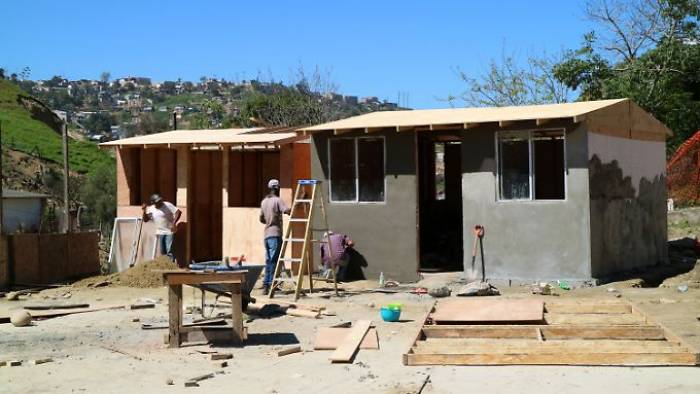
[(390, 314)]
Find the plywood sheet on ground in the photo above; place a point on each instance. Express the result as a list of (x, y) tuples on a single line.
[(329, 338), (488, 310)]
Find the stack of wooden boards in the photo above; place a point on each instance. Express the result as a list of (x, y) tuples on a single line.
[(503, 332)]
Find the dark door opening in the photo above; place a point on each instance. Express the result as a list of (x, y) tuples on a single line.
[(205, 208), (440, 203)]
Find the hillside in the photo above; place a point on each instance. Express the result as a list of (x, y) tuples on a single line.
[(29, 126)]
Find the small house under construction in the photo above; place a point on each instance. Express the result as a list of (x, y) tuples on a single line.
[(217, 178), (571, 191)]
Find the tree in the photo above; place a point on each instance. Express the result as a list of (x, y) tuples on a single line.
[(655, 67), (628, 28), (98, 198), (100, 122), (104, 77), (507, 82)]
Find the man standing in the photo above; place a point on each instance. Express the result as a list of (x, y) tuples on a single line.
[(271, 209), (165, 216)]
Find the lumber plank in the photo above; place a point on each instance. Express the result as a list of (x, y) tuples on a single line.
[(646, 332), (329, 338), (589, 308), (488, 310), (63, 312), (631, 359), (346, 351), (533, 346), (54, 306), (299, 305), (593, 318)]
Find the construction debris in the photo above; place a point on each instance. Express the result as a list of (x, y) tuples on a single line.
[(20, 318), (40, 361), (478, 288), (289, 350), (221, 356), (220, 364), (50, 306), (439, 292), (141, 306), (194, 382)]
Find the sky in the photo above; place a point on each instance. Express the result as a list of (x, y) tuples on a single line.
[(366, 48)]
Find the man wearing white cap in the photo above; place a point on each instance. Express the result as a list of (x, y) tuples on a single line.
[(271, 209)]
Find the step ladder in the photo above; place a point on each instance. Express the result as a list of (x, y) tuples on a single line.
[(300, 232)]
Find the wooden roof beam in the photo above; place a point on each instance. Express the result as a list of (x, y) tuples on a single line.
[(579, 118), (505, 123), (542, 121), (468, 125)]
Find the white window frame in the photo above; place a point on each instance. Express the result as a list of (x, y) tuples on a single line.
[(357, 170), (531, 158)]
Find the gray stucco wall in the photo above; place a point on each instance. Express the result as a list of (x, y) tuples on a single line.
[(628, 203), (526, 240), (384, 233)]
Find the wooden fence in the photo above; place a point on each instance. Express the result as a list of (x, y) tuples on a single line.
[(51, 258)]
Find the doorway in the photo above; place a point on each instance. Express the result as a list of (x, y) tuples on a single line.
[(205, 209), (440, 203)]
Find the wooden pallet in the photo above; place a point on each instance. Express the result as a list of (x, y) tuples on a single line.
[(572, 333)]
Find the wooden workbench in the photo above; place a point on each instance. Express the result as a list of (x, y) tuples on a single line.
[(178, 334)]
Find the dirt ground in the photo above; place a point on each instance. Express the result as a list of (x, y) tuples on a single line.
[(107, 351)]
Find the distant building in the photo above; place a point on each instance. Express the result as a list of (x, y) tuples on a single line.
[(350, 100), (21, 211), (63, 115), (369, 100)]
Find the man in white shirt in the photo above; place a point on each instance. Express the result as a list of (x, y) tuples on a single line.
[(165, 216)]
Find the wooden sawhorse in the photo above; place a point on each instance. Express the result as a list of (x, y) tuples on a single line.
[(232, 280)]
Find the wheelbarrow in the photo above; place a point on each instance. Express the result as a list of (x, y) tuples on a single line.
[(251, 277)]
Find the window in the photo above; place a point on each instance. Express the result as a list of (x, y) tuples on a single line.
[(531, 165), (356, 169)]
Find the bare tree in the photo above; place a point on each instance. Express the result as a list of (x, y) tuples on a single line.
[(510, 82), (627, 28)]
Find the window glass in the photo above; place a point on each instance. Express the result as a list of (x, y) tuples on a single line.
[(548, 150), (342, 160), (370, 169), (514, 168)]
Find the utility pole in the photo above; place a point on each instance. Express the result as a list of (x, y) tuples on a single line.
[(66, 176)]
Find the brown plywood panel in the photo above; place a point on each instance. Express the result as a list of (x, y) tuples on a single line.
[(329, 338), (167, 175), (251, 179), (286, 166), (53, 256), (243, 234), (270, 169), (302, 161), (123, 191), (488, 310), (206, 206), (148, 173), (84, 256), (25, 258), (235, 179)]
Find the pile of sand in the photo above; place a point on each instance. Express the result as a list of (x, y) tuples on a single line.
[(141, 275)]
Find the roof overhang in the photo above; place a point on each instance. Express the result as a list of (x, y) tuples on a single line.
[(252, 138), (471, 118)]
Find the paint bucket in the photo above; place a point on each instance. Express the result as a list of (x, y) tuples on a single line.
[(390, 314), (394, 305)]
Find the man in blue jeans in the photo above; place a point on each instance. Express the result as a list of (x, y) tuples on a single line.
[(165, 216), (271, 209)]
